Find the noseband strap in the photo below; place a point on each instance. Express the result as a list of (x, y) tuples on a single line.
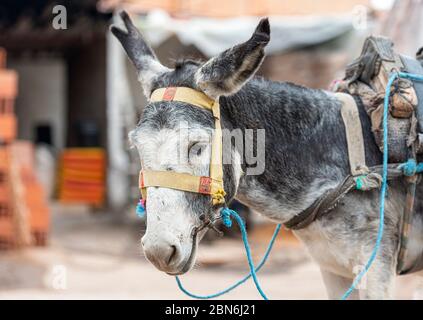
[(211, 185)]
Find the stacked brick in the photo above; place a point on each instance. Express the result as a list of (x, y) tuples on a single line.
[(82, 176), (24, 214), (32, 193), (7, 234), (8, 91)]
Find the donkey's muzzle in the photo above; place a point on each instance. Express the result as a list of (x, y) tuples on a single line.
[(165, 255)]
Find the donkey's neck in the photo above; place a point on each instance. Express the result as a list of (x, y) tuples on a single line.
[(306, 151)]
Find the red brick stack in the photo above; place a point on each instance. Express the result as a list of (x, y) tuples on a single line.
[(82, 176), (8, 91), (33, 193), (7, 234), (24, 214), (8, 88)]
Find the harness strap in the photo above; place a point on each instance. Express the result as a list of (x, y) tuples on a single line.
[(178, 181), (216, 165), (357, 160), (354, 134), (183, 94), (330, 199), (323, 204), (212, 185), (407, 216)]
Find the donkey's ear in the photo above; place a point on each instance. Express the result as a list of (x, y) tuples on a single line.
[(139, 52), (226, 73)]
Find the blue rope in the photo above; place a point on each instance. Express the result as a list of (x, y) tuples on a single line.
[(226, 214), (409, 168)]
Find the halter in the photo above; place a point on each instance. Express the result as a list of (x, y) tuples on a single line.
[(208, 185)]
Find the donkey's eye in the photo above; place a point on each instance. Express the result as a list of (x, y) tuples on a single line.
[(195, 149)]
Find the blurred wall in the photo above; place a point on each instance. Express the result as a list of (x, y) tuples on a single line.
[(41, 97), (315, 66), (225, 8)]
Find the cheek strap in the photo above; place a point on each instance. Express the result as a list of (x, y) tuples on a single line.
[(181, 181)]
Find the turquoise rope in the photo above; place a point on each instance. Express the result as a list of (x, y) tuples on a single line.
[(409, 168), (226, 214)]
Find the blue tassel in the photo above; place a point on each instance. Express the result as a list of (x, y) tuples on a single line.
[(226, 213), (140, 210)]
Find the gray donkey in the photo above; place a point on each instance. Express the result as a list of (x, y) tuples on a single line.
[(306, 155)]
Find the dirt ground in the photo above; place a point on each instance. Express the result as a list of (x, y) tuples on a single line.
[(95, 256)]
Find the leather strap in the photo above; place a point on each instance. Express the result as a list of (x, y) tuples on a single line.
[(357, 160), (323, 204), (354, 134), (178, 181), (330, 199), (183, 94)]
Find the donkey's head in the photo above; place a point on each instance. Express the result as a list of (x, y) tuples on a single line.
[(175, 136)]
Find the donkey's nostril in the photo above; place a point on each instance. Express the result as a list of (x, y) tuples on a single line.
[(172, 255), (163, 255)]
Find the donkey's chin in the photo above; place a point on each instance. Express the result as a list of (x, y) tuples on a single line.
[(184, 269), (187, 264), (177, 268)]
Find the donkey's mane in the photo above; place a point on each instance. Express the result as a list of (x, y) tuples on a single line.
[(179, 63)]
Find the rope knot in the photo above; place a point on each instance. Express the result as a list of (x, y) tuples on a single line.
[(409, 168), (368, 182), (226, 213)]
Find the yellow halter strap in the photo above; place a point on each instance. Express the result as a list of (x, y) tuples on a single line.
[(212, 185)]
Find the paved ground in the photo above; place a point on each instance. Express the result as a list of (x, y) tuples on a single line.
[(96, 257)]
